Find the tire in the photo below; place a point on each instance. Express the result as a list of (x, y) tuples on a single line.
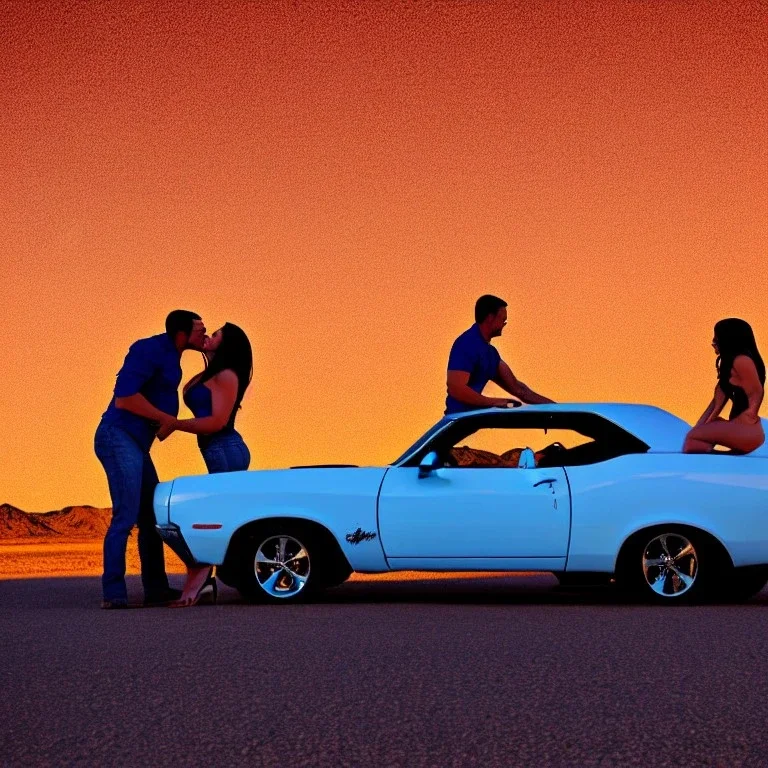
[(672, 565), (746, 582), (335, 575), (226, 576), (280, 564)]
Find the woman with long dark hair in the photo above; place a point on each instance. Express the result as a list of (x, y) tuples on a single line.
[(214, 396), (740, 379)]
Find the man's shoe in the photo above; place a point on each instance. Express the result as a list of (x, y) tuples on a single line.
[(159, 599), (110, 605)]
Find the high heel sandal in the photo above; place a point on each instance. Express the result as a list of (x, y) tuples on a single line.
[(210, 581)]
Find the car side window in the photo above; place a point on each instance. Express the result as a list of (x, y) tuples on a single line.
[(502, 447), (498, 440)]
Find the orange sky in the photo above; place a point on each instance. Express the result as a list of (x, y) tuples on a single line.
[(343, 180)]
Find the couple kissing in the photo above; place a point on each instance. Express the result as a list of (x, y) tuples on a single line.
[(145, 405)]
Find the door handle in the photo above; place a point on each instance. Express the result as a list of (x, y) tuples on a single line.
[(549, 480)]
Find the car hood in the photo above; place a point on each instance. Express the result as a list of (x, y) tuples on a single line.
[(274, 484)]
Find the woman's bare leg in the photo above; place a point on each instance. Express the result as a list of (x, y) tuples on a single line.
[(730, 434), (196, 577), (692, 445)]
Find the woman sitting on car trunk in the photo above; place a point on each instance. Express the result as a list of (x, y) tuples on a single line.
[(740, 379)]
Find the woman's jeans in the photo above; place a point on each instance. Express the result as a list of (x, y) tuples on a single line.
[(132, 479), (225, 452)]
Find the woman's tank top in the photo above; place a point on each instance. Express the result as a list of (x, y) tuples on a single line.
[(737, 396), (199, 400)]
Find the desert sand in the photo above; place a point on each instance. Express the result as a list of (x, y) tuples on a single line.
[(23, 559)]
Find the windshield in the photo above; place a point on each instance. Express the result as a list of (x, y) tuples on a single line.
[(426, 436)]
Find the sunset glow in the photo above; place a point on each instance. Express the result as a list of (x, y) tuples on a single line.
[(343, 180)]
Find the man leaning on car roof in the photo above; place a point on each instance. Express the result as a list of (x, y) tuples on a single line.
[(474, 361)]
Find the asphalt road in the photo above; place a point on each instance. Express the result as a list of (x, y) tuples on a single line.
[(445, 672)]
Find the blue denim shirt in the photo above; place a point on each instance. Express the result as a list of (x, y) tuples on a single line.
[(152, 368), (480, 359)]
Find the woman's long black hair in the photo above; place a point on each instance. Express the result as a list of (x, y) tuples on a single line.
[(234, 353), (735, 337)]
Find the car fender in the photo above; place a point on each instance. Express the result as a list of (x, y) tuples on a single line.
[(724, 496), (669, 517), (209, 509)]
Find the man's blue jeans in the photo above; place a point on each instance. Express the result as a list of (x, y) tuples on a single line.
[(132, 479)]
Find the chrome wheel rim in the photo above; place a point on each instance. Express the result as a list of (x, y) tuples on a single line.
[(670, 565), (282, 566)]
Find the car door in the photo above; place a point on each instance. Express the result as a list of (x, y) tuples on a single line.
[(474, 514)]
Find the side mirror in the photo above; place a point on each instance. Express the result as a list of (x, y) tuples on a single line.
[(429, 464)]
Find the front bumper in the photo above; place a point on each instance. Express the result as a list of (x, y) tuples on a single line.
[(170, 533)]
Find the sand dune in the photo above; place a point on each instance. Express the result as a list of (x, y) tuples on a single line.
[(65, 542), (70, 522)]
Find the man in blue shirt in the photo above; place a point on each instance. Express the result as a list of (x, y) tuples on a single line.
[(146, 396), (474, 361)]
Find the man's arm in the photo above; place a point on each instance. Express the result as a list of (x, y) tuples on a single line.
[(459, 389), (139, 405), (138, 368), (510, 383)]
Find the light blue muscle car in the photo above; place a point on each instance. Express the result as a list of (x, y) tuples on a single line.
[(586, 491)]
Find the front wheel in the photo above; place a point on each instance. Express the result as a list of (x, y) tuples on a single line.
[(671, 566), (278, 566)]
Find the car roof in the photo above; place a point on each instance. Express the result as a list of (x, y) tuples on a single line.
[(660, 430)]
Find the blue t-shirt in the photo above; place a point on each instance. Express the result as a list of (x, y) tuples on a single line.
[(151, 368), (480, 359)]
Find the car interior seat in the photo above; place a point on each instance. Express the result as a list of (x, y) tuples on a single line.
[(527, 459)]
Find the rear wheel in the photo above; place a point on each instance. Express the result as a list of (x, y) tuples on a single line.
[(746, 582), (671, 565)]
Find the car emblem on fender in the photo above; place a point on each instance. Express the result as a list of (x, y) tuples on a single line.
[(360, 535)]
